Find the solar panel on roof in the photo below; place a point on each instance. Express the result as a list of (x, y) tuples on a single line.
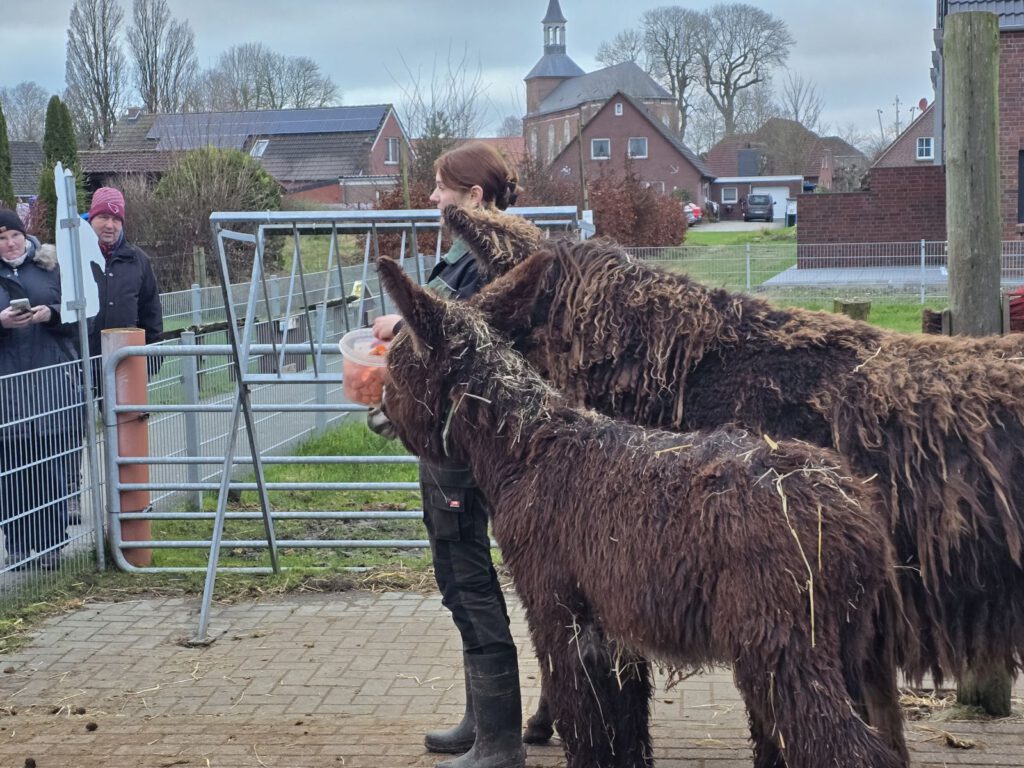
[(201, 128)]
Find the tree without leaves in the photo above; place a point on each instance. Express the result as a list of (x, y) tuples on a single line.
[(25, 108), (6, 180), (511, 126), (799, 101), (163, 53), (95, 70), (627, 45), (739, 46), (671, 36), (455, 92), (251, 76)]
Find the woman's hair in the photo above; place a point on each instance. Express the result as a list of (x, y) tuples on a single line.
[(477, 163)]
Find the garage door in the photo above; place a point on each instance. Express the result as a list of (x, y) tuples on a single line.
[(779, 195)]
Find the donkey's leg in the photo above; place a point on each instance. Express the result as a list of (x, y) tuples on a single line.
[(801, 694), (766, 748), (602, 725), (881, 698), (540, 727)]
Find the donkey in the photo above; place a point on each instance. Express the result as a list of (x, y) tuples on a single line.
[(939, 421), (695, 549)]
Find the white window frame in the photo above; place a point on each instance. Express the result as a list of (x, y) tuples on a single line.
[(629, 147), (600, 157), (735, 195), (259, 147), (389, 158), (618, 109), (930, 145)]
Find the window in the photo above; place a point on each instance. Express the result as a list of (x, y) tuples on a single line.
[(391, 151), (638, 147), (565, 133), (600, 149), (729, 195), (924, 148), (618, 109), (259, 147)]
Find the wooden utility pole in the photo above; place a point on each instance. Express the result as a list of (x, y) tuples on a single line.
[(970, 49)]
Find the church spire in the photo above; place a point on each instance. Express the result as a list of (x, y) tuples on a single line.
[(554, 29)]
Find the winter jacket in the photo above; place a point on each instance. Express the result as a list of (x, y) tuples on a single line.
[(27, 401), (456, 275), (129, 296)]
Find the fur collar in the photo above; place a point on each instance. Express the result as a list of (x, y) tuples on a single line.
[(45, 255)]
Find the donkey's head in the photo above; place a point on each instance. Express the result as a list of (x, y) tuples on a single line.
[(499, 241), (448, 369)]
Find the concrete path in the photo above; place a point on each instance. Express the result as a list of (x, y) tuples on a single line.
[(331, 679)]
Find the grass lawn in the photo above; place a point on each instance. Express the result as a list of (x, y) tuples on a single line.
[(350, 439), (763, 236)]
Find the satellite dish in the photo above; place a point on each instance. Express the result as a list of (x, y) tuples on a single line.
[(922, 104)]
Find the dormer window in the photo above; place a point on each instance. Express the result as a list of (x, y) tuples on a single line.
[(618, 109), (259, 147)]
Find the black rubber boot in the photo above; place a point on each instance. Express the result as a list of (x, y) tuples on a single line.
[(497, 707), (459, 739)]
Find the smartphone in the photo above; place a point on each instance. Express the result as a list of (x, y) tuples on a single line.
[(21, 306)]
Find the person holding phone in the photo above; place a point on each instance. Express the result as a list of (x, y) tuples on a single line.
[(40, 399)]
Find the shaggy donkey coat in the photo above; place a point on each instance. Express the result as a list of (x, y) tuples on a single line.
[(939, 421), (624, 542)]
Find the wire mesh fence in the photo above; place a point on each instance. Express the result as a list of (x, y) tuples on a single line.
[(907, 271)]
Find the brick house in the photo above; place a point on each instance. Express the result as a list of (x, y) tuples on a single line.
[(626, 119), (782, 158), (906, 195), (346, 156), (915, 146)]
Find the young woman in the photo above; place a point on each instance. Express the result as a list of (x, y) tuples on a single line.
[(455, 513)]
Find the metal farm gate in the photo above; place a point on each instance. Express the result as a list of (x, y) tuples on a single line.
[(277, 346)]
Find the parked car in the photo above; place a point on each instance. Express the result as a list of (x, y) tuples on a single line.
[(694, 215), (758, 207)]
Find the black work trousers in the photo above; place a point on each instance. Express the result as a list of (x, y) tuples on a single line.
[(456, 516)]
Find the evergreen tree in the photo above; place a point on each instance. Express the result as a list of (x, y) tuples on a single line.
[(59, 146), (6, 182)]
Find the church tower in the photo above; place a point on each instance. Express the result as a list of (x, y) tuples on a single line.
[(554, 66)]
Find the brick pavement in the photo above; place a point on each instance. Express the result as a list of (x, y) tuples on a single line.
[(317, 680)]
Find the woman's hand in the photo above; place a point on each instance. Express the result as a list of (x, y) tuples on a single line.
[(384, 327), (12, 318)]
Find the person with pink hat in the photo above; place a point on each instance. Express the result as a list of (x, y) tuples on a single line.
[(129, 294)]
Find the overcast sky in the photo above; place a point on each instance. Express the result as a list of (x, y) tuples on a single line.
[(861, 56)]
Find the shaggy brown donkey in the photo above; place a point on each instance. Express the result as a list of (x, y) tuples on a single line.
[(697, 549), (939, 421)]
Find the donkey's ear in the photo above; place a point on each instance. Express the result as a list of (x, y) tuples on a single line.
[(509, 302), (499, 241), (422, 311)]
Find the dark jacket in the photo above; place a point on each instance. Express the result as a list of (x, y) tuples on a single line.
[(129, 296), (456, 275), (27, 401)]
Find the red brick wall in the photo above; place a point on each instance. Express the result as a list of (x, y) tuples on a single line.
[(1011, 127), (903, 205), (328, 193)]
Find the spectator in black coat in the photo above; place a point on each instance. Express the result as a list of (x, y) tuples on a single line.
[(129, 294), (40, 399)]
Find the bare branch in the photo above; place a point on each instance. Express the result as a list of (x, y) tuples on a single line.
[(25, 110), (95, 70)]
